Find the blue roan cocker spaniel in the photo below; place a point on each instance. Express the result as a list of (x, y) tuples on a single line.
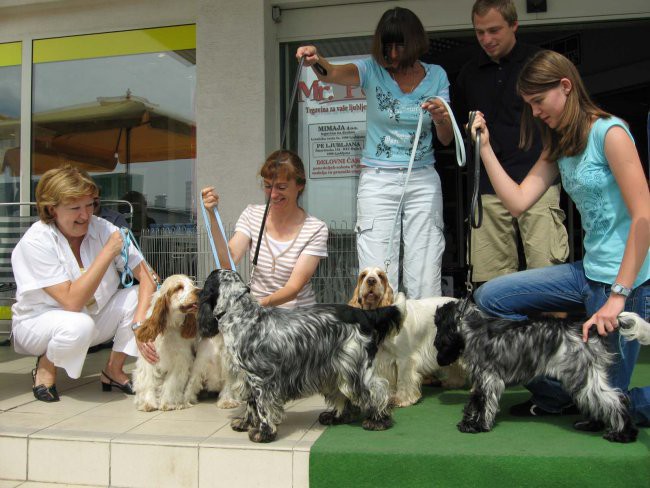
[(290, 354), (499, 352)]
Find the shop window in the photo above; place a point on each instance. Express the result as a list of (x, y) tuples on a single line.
[(121, 106), (614, 71), (10, 61)]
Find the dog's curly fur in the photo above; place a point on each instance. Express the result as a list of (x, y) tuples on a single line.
[(171, 325), (499, 352), (291, 354), (213, 371), (405, 359)]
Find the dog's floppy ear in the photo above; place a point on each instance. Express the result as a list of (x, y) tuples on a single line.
[(388, 297), (449, 340), (155, 323), (355, 301), (208, 325), (188, 329)]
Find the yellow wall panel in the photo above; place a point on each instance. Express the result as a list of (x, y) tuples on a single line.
[(10, 54), (115, 44)]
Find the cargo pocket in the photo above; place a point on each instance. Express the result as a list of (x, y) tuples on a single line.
[(364, 225), (438, 221), (559, 248)]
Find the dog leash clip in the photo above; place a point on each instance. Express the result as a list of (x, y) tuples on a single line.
[(468, 282)]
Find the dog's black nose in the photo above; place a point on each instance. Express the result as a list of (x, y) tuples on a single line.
[(371, 281)]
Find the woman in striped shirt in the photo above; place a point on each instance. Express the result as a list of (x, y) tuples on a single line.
[(293, 242)]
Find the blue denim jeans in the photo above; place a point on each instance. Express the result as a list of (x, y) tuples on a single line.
[(565, 287)]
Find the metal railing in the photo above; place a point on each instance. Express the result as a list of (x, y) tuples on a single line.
[(186, 250)]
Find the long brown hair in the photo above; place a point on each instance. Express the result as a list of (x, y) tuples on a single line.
[(543, 72), (400, 26)]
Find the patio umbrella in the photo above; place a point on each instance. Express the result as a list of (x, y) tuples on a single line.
[(96, 136), (45, 159)]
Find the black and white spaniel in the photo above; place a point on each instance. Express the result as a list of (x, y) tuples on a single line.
[(291, 354), (499, 352)]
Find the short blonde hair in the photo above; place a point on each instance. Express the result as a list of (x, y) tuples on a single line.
[(62, 185)]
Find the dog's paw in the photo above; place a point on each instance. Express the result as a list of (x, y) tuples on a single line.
[(453, 384), (227, 403), (262, 434), (166, 407), (328, 418), (383, 423), (626, 436), (471, 427), (191, 399), (239, 424), (403, 401), (432, 381), (146, 407)]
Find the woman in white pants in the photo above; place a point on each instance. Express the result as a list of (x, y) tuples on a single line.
[(67, 270), (398, 86)]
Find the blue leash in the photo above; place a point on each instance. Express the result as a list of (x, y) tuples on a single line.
[(127, 274), (127, 278), (223, 233)]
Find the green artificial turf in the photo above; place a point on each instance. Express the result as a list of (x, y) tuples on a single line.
[(424, 449)]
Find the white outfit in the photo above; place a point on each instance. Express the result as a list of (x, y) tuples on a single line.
[(420, 225), (392, 119), (44, 258)]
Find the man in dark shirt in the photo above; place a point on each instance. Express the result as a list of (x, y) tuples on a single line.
[(488, 83)]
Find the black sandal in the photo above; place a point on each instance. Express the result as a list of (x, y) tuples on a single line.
[(126, 387), (41, 392)]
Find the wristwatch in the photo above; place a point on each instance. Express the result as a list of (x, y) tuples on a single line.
[(135, 326), (621, 290)]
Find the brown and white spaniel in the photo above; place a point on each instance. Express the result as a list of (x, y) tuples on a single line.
[(171, 325), (373, 290), (410, 355)]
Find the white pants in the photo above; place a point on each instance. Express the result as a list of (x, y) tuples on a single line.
[(420, 225), (66, 336)]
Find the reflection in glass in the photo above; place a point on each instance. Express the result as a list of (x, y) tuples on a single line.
[(128, 120), (9, 126)]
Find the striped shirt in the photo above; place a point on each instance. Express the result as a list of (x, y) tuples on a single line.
[(276, 260)]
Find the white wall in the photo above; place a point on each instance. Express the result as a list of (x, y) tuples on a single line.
[(34, 19), (319, 19), (237, 92)]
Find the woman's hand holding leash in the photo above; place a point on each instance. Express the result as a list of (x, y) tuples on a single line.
[(210, 197), (310, 53), (478, 124), (114, 244), (311, 58), (437, 111)]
